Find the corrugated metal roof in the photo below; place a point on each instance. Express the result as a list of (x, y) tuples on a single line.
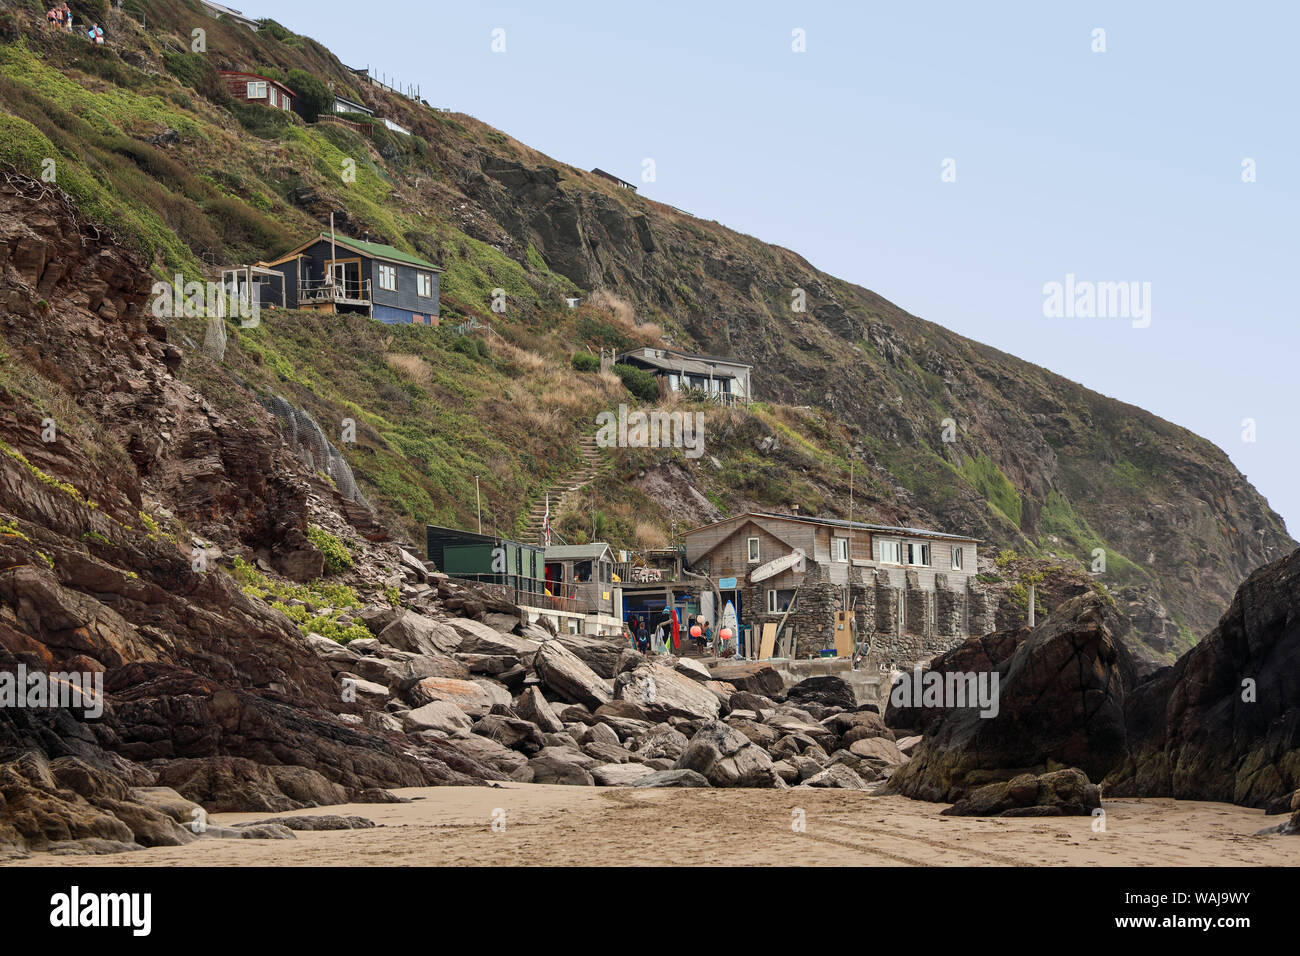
[(570, 552), (854, 525), (377, 250)]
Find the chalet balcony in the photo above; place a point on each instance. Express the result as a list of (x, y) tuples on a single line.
[(319, 292)]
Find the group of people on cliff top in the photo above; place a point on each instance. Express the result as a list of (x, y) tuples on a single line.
[(60, 17)]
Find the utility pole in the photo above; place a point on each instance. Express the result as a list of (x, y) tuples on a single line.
[(478, 503)]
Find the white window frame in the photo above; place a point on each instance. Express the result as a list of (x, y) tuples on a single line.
[(891, 552), (840, 549), (772, 599), (957, 558), (753, 551), (424, 285), (391, 273), (257, 89), (914, 548)]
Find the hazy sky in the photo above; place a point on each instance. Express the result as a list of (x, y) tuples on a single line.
[(1117, 166)]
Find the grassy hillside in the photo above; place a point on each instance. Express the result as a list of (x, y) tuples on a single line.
[(1037, 465)]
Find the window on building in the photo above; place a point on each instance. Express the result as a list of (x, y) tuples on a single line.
[(426, 285), (917, 554), (285, 102), (891, 552), (257, 89), (753, 551), (957, 557), (779, 601), (388, 278), (841, 549), (272, 97)]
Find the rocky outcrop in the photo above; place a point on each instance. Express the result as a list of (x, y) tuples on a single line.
[(1223, 723), (1060, 702)]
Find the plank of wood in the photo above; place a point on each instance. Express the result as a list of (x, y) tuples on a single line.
[(768, 643), (843, 633)]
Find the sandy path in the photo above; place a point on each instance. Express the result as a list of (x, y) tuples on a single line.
[(451, 826)]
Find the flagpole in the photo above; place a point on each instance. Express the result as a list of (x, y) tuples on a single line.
[(478, 503)]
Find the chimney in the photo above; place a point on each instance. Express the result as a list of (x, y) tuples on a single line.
[(794, 510)]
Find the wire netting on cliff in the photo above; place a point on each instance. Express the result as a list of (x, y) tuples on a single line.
[(309, 443)]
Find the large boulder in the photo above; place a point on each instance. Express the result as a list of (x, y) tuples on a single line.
[(569, 678), (727, 758), (479, 638), (533, 705), (753, 676), (673, 778), (601, 654), (510, 732), (549, 769), (620, 774), (981, 654), (662, 692), (440, 715), (661, 741), (829, 691), (414, 632), (1060, 701), (1056, 794), (1223, 723), (470, 696)]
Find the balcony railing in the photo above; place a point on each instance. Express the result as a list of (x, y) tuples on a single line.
[(532, 591), (340, 292)]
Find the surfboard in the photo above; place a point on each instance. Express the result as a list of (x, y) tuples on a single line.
[(706, 605), (776, 566), (729, 621)]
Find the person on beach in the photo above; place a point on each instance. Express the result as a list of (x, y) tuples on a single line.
[(54, 17), (707, 639), (96, 35)]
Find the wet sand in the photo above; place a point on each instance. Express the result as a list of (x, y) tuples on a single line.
[(556, 825)]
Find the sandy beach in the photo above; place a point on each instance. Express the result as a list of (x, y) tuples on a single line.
[(559, 825)]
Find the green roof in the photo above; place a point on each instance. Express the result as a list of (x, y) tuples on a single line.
[(377, 250)]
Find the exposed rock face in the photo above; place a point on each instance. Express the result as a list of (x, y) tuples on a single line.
[(1223, 723), (1061, 702)]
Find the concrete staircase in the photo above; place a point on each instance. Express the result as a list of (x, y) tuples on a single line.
[(565, 493)]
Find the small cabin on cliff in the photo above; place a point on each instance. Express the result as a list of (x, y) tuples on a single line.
[(722, 380), (341, 274), (621, 183), (254, 88)]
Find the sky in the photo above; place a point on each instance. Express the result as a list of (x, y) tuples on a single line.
[(955, 158)]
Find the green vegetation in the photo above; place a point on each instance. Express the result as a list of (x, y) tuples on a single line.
[(638, 381), (585, 362), (302, 603), (989, 481), (337, 557)]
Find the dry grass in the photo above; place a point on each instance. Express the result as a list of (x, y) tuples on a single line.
[(412, 366), (650, 535), (526, 361)]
